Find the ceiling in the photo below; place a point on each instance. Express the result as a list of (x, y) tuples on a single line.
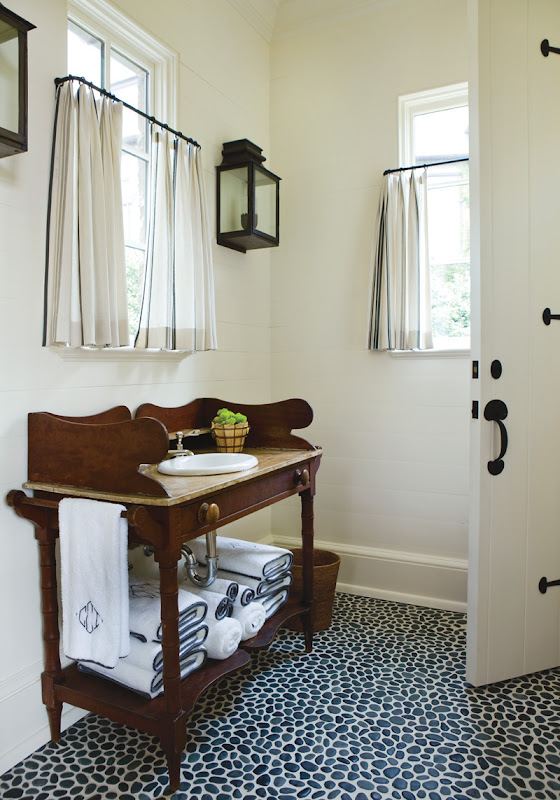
[(275, 19)]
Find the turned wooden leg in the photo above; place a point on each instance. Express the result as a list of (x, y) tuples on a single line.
[(307, 570), (173, 726), (51, 634), (55, 715), (174, 769)]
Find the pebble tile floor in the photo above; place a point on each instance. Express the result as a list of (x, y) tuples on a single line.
[(380, 710)]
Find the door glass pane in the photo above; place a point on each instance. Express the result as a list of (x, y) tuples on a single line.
[(9, 51), (85, 55), (133, 182), (233, 199), (265, 202), (129, 82)]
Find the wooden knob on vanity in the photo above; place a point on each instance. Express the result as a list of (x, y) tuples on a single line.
[(301, 476), (208, 514)]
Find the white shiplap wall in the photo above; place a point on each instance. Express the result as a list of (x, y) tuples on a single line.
[(223, 95), (393, 486)]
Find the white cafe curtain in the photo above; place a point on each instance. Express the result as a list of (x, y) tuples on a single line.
[(85, 296), (177, 310), (401, 300)]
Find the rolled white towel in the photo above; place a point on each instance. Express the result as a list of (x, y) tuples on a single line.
[(260, 586), (246, 595), (272, 602), (247, 558), (223, 638), (149, 655), (144, 681), (251, 617), (145, 609), (222, 586), (219, 606)]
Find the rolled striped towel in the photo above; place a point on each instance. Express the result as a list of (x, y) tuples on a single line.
[(219, 606), (251, 617), (224, 586), (223, 638)]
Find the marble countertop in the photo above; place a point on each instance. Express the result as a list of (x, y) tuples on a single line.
[(184, 489)]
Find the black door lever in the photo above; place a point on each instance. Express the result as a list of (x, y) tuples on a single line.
[(496, 411)]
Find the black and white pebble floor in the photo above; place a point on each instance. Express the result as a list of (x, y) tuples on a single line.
[(380, 710)]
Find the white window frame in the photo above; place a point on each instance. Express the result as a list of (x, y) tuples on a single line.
[(126, 36), (409, 106), (119, 30)]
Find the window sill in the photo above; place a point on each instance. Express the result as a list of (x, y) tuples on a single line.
[(90, 354), (430, 353)]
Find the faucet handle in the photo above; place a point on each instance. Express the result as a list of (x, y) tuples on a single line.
[(180, 435)]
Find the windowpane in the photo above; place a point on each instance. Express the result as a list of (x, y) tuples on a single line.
[(9, 83), (129, 82), (133, 181), (85, 54), (440, 135), (134, 272)]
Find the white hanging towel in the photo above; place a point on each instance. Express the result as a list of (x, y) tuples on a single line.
[(246, 558), (94, 580)]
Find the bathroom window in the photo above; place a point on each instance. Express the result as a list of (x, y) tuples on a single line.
[(106, 48), (434, 127)]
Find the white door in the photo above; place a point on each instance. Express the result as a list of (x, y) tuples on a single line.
[(513, 628)]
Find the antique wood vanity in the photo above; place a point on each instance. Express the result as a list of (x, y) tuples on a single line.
[(112, 457)]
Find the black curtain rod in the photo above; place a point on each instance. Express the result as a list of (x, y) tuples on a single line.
[(153, 120), (423, 166)]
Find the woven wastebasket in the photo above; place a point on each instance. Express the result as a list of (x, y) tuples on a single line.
[(230, 438), (325, 573)]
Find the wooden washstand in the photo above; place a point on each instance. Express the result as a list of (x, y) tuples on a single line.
[(112, 457)]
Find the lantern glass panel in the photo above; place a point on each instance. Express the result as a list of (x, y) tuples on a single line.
[(265, 202), (234, 193), (9, 77)]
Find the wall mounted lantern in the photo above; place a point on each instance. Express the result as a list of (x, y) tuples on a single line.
[(13, 82), (247, 197)]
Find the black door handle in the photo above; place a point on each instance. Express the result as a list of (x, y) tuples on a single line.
[(496, 411)]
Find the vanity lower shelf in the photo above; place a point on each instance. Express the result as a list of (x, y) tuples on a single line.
[(115, 702)]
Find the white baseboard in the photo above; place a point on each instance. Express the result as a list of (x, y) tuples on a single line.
[(414, 578), (23, 717)]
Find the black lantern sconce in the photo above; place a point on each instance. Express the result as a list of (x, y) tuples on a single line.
[(13, 82), (248, 198)]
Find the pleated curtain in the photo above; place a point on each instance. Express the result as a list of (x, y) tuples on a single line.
[(177, 309), (401, 300), (85, 296)]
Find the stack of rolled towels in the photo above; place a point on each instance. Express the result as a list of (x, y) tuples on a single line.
[(142, 669), (253, 582), (260, 572)]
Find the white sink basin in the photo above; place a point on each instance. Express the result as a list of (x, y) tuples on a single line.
[(207, 464)]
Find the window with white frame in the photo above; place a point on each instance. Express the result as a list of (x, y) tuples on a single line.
[(110, 51), (434, 127)]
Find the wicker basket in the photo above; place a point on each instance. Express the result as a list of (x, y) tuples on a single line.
[(230, 438), (325, 572)]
